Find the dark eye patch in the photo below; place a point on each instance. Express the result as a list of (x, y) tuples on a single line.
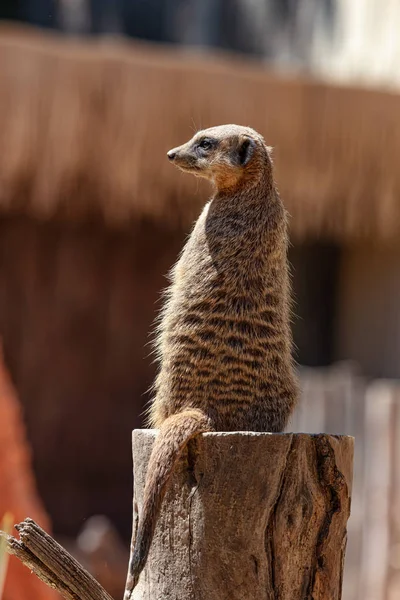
[(206, 144)]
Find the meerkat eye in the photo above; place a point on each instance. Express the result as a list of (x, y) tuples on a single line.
[(205, 144)]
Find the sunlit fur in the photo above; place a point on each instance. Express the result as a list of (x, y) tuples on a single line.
[(224, 341)]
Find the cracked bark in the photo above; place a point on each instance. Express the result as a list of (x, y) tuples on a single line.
[(251, 516), (51, 563)]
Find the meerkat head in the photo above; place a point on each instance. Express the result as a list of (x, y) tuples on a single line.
[(225, 155)]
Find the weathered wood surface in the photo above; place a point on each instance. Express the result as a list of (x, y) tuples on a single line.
[(51, 563), (339, 399), (249, 516)]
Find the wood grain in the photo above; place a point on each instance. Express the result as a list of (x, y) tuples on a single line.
[(249, 516), (53, 564)]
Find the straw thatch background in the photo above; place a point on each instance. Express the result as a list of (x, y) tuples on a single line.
[(85, 126)]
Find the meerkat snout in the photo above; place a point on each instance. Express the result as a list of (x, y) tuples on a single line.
[(171, 154)]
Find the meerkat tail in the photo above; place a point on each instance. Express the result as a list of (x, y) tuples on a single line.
[(173, 436)]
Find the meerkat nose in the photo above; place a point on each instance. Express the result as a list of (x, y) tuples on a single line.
[(171, 154)]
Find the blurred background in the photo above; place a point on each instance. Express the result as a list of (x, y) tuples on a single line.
[(92, 95)]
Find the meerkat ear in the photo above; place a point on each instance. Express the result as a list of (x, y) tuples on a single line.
[(245, 151)]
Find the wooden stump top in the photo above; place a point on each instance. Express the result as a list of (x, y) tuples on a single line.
[(249, 516)]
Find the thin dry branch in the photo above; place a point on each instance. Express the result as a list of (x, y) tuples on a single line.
[(52, 563)]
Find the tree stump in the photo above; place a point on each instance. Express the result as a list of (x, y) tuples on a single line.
[(249, 516)]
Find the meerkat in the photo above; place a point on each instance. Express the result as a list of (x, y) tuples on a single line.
[(224, 339)]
